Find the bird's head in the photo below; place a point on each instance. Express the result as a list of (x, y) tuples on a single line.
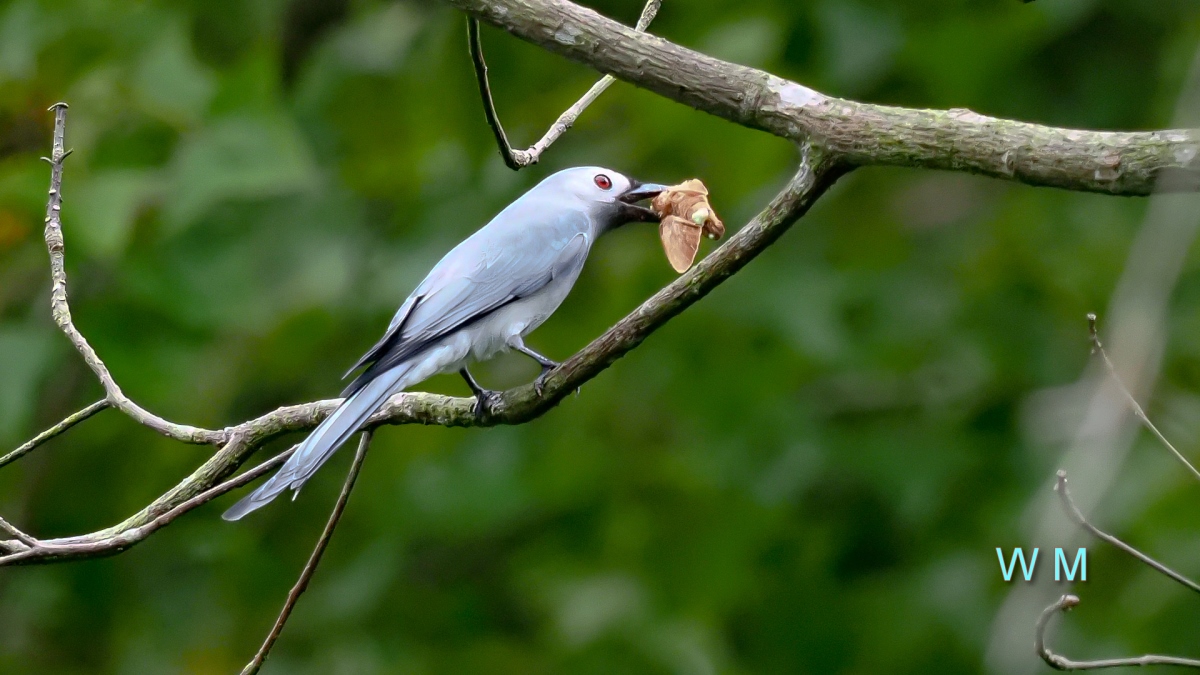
[(610, 196)]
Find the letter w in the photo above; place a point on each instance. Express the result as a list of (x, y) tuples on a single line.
[(1018, 554)]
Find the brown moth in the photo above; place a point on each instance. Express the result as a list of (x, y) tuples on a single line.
[(685, 214)]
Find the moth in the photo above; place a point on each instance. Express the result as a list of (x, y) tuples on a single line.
[(685, 214)]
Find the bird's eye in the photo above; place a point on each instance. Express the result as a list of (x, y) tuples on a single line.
[(603, 182)]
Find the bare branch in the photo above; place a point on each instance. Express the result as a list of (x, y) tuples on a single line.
[(1060, 486), (519, 159), (116, 540), (1059, 662), (70, 421), (513, 159), (817, 172), (1098, 348), (21, 536), (859, 134), (315, 559), (62, 311)]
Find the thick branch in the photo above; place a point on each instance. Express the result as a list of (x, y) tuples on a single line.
[(860, 134)]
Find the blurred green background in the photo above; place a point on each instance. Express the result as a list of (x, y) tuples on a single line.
[(808, 472)]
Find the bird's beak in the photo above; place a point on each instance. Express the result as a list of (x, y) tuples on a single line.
[(639, 191), (636, 193)]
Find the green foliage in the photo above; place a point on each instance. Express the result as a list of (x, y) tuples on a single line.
[(807, 472)]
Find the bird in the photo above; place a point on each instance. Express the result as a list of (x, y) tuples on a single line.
[(480, 299)]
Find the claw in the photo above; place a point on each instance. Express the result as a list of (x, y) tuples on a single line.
[(539, 385), (484, 400)]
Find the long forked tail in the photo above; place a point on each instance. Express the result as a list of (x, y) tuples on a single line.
[(324, 441)]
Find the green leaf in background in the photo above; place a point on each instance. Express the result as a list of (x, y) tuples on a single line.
[(105, 207), (236, 158), (24, 358)]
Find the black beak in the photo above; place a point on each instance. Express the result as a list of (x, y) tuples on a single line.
[(636, 193)]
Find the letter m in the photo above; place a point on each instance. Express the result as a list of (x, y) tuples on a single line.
[(1080, 565), (1018, 554)]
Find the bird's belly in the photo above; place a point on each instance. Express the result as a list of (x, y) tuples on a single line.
[(496, 332)]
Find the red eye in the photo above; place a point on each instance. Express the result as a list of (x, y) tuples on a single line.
[(603, 182)]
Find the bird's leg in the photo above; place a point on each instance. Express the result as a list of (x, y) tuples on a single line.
[(484, 398), (546, 364)]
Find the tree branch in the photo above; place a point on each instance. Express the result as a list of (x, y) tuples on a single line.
[(70, 421), (28, 550), (818, 170), (1059, 662), (1060, 486), (315, 559), (62, 311), (519, 159), (1098, 348), (1066, 602), (858, 134)]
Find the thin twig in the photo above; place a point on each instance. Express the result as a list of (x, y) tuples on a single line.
[(21, 536), (70, 421), (61, 310), (1059, 662), (519, 159), (315, 559), (1098, 348), (489, 105), (1060, 486)]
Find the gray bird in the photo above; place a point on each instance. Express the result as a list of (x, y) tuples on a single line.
[(482, 298)]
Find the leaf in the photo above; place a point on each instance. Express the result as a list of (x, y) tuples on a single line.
[(238, 158)]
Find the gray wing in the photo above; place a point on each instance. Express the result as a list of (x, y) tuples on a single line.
[(499, 264)]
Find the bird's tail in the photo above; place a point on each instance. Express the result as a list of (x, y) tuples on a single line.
[(324, 440)]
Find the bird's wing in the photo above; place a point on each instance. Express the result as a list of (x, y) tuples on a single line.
[(486, 272)]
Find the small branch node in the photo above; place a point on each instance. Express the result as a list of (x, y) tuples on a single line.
[(29, 541), (519, 159), (1060, 662)]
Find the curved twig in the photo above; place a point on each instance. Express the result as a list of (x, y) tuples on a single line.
[(1060, 662), (310, 567), (61, 311), (519, 159)]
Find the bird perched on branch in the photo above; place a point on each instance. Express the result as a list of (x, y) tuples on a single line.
[(482, 298)]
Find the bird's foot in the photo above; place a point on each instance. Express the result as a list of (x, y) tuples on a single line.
[(539, 385), (485, 399)]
